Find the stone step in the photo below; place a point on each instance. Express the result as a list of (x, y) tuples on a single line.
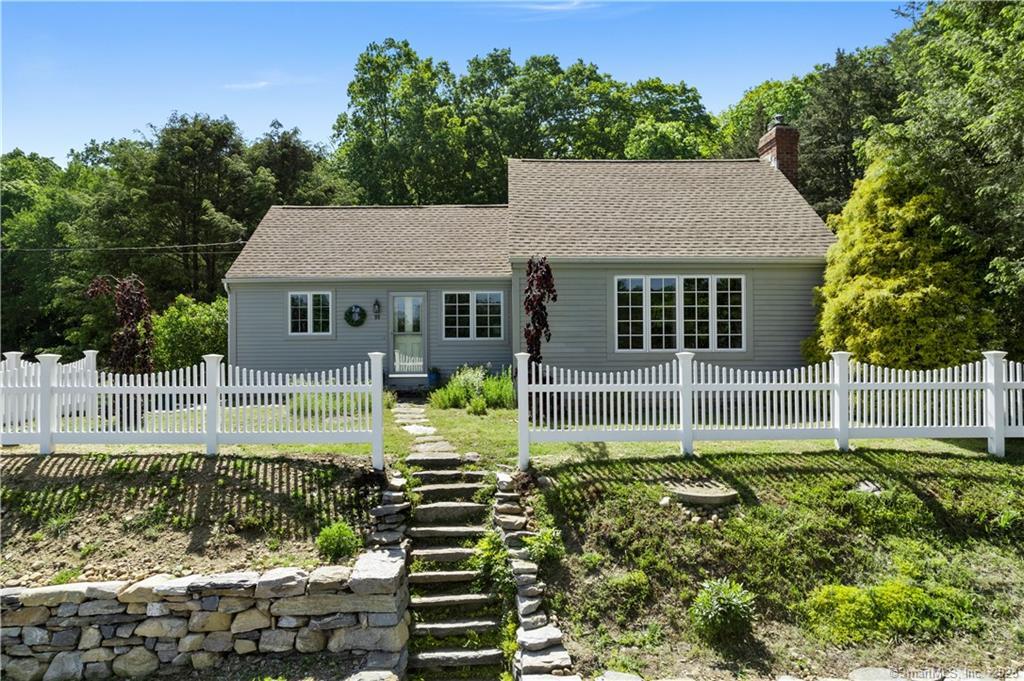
[(449, 531), (443, 554), (434, 460), (449, 492), (452, 601), (455, 657), (450, 475), (448, 510), (455, 627), (443, 576)]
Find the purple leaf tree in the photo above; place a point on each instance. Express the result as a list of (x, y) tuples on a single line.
[(132, 343), (540, 290)]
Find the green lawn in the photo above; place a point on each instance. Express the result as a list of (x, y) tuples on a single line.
[(928, 573)]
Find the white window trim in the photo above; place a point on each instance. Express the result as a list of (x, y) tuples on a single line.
[(309, 312), (712, 312), (472, 316)]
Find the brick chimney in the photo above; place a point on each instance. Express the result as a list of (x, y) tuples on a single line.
[(779, 146)]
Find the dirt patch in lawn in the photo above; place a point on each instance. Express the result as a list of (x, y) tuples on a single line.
[(96, 516)]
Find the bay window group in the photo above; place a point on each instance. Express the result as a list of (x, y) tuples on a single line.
[(686, 312)]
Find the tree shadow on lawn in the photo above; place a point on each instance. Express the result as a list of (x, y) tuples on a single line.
[(287, 497), (936, 478)]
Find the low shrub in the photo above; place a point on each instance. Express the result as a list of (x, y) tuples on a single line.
[(477, 406), (591, 561), (493, 566), (390, 399), (546, 546), (499, 391), (625, 595), (722, 610), (338, 541), (894, 608), (469, 382)]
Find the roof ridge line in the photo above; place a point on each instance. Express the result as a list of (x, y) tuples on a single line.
[(634, 160), (379, 205)]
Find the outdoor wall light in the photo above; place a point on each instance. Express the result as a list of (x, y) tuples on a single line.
[(376, 309)]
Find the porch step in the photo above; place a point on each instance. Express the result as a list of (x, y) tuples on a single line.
[(443, 576), (443, 554), (451, 531), (455, 627), (455, 657), (449, 492), (454, 475), (452, 601), (448, 510)]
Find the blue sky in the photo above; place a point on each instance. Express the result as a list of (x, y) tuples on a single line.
[(74, 72)]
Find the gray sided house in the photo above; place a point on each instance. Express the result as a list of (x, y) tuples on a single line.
[(649, 258)]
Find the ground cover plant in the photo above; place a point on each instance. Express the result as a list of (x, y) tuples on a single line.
[(806, 575)]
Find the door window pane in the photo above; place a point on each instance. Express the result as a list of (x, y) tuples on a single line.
[(407, 314), (409, 354)]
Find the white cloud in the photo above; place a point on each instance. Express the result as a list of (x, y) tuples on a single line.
[(252, 85), (565, 6)]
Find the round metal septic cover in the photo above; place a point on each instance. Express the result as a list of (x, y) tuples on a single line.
[(703, 493)]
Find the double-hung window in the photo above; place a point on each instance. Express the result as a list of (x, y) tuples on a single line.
[(309, 313), (474, 315), (690, 312)]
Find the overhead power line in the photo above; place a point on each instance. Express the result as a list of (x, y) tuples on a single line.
[(69, 249)]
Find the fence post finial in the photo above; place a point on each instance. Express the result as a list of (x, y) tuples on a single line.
[(523, 404), (995, 413), (47, 412), (685, 379), (841, 399), (377, 408), (212, 402)]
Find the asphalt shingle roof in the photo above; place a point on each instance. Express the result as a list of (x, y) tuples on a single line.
[(586, 210), (363, 242), (659, 209)]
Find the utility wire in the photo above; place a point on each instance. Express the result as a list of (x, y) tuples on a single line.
[(66, 249)]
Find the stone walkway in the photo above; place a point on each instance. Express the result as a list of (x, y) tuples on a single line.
[(449, 515)]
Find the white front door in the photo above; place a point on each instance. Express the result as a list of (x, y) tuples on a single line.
[(407, 334)]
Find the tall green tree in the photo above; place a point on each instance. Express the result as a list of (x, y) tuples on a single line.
[(41, 203), (204, 192), (742, 124), (957, 151), (895, 293), (401, 137), (843, 100)]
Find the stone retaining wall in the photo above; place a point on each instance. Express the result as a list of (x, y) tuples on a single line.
[(95, 630)]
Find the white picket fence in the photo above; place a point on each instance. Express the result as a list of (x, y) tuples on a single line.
[(47, 403), (685, 401)]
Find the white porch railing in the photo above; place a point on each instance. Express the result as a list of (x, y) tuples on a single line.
[(685, 401), (46, 403)]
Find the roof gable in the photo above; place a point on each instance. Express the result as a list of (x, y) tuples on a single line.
[(659, 210)]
